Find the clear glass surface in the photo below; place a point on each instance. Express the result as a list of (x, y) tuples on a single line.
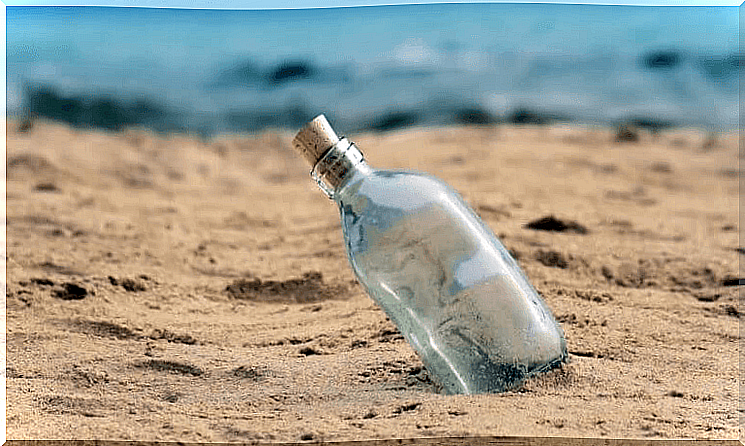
[(440, 274)]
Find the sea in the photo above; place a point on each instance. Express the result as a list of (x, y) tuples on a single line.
[(376, 68)]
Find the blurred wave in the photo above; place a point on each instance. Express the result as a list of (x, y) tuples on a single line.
[(377, 69)]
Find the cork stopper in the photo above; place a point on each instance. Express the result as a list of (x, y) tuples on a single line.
[(313, 140)]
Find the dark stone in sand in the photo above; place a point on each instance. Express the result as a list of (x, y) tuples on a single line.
[(661, 167), (46, 187), (607, 272), (308, 351), (515, 253), (172, 337), (731, 310), (309, 288), (553, 224), (130, 285), (552, 259), (252, 373), (625, 133), (407, 407), (26, 125), (733, 281), (71, 291), (29, 162), (171, 366), (105, 329), (389, 335), (359, 343), (42, 281), (707, 296)]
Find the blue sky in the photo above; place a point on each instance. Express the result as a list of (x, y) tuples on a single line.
[(300, 4)]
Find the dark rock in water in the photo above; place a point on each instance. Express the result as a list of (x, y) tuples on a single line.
[(551, 223), (661, 60), (252, 121), (525, 116), (395, 121), (721, 68), (652, 124), (406, 73), (242, 120), (45, 102), (291, 70), (474, 116), (108, 114), (144, 111), (248, 121), (291, 117), (240, 73), (297, 115), (86, 110)]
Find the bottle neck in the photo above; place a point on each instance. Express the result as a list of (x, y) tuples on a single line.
[(336, 165)]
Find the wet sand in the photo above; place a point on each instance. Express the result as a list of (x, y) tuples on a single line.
[(168, 288)]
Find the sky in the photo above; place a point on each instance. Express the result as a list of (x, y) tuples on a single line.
[(302, 4)]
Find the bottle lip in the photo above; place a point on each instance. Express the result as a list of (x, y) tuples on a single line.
[(331, 170)]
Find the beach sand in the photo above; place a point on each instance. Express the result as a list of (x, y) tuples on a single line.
[(168, 288)]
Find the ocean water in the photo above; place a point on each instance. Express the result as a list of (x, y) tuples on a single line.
[(375, 68)]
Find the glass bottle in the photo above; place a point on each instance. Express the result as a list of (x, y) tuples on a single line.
[(439, 273)]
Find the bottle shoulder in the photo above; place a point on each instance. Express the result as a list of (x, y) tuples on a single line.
[(395, 186)]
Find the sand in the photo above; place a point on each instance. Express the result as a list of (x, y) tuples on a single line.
[(169, 288)]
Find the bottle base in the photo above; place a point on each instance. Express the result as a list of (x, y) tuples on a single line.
[(499, 378)]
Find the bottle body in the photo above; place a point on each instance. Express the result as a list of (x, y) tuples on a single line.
[(439, 273), (444, 279)]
